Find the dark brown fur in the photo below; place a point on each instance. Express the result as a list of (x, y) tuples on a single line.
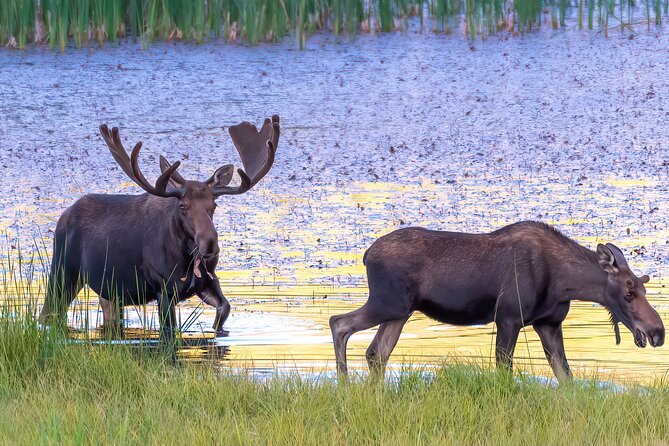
[(162, 245), (132, 249), (523, 274)]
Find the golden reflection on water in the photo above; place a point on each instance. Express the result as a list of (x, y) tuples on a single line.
[(313, 270), (589, 339), (287, 328)]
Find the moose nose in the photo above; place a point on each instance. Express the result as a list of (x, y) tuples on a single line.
[(207, 245), (657, 337)]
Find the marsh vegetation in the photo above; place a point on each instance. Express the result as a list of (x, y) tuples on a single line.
[(387, 131), (57, 22), (79, 388), (53, 391)]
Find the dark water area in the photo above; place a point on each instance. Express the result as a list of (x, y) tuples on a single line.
[(383, 132)]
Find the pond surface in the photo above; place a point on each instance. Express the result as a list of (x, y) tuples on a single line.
[(387, 131)]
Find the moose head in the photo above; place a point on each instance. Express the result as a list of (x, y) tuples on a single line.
[(625, 298), (196, 199)]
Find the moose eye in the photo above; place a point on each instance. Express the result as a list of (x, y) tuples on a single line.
[(629, 296), (183, 207)]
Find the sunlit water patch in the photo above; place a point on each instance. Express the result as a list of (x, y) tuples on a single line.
[(279, 320), (279, 332)]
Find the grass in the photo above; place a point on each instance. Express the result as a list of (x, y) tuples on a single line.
[(53, 391), (58, 22)]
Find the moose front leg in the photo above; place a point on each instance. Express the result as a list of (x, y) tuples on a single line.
[(553, 343), (507, 336), (212, 295), (112, 317), (168, 316)]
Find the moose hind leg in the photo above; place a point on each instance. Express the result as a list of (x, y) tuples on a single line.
[(383, 344), (214, 296), (345, 325), (62, 288)]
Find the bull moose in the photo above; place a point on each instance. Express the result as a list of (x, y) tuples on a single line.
[(161, 245), (523, 274)]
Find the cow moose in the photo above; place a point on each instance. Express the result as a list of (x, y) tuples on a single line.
[(161, 245), (522, 274)]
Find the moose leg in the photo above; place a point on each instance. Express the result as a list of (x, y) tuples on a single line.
[(383, 344), (214, 296), (112, 317), (553, 343), (168, 316), (63, 286), (344, 325), (507, 336)]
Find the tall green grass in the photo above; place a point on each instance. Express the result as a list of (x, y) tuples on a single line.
[(58, 22), (55, 391)]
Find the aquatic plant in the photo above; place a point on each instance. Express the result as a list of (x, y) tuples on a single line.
[(58, 22)]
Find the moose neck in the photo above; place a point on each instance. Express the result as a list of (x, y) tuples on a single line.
[(171, 232), (584, 281), (187, 244)]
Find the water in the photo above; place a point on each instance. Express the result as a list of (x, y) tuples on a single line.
[(384, 132)]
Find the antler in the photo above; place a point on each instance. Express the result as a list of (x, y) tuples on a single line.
[(256, 149), (131, 168), (164, 167)]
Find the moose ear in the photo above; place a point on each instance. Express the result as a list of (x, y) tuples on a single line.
[(644, 279), (606, 259), (221, 177)]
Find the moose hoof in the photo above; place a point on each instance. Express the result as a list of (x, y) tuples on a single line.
[(221, 332)]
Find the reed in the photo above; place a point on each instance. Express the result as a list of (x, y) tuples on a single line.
[(82, 22)]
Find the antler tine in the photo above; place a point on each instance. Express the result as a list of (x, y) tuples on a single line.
[(271, 144), (228, 190), (257, 149), (117, 150), (275, 131), (131, 167), (161, 183), (164, 165)]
